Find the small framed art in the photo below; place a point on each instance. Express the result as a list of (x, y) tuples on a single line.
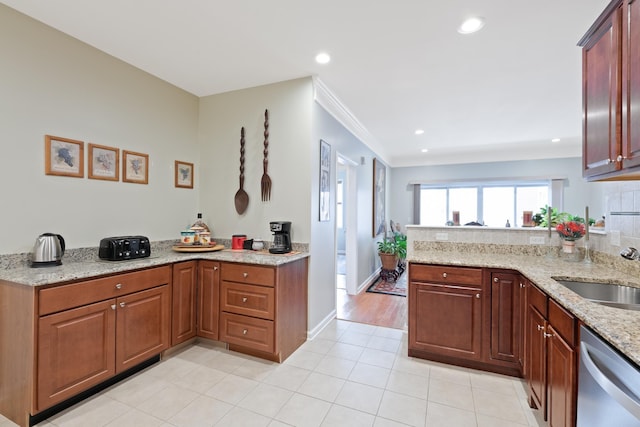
[(104, 162), (63, 156), (184, 174), (135, 167)]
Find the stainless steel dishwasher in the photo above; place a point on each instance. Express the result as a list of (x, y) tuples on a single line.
[(608, 385)]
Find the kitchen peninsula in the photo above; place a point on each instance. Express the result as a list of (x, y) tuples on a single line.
[(69, 329), (485, 299)]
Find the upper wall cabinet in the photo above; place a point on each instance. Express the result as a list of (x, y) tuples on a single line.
[(611, 94)]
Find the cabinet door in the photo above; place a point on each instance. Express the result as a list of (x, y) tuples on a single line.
[(601, 86), (536, 360), (142, 326), (561, 381), (76, 350), (208, 299), (446, 320), (631, 85), (183, 324), (523, 324), (505, 316)]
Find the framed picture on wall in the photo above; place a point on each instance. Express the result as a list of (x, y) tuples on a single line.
[(379, 185), (325, 180), (183, 174), (63, 156), (104, 162), (135, 167)]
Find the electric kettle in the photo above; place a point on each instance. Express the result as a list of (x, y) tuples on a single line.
[(48, 250)]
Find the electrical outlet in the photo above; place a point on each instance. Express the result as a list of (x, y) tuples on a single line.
[(615, 238), (536, 240), (442, 236)]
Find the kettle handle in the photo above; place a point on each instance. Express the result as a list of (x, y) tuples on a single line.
[(62, 245)]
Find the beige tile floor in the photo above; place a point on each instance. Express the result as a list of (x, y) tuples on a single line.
[(351, 375)]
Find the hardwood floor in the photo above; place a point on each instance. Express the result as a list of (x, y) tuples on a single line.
[(374, 309)]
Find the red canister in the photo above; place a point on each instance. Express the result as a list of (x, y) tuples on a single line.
[(237, 240)]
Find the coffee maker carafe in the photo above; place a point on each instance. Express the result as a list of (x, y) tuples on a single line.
[(281, 237)]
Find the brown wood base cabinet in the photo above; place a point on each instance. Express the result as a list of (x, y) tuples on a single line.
[(263, 309), (466, 316), (551, 335), (81, 343)]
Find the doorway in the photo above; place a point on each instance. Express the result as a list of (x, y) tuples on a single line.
[(346, 227)]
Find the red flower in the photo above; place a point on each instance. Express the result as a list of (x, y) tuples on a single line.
[(570, 230)]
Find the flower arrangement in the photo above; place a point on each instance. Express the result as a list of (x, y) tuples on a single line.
[(570, 230)]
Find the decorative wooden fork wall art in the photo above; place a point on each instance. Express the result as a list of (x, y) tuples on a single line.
[(265, 184)]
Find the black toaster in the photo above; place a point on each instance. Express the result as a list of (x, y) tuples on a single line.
[(124, 247)]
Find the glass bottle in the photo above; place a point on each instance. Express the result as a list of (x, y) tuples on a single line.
[(200, 223)]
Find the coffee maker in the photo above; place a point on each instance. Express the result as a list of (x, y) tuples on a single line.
[(281, 237)]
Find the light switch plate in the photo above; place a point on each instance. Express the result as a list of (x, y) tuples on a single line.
[(536, 240), (442, 236), (615, 238)]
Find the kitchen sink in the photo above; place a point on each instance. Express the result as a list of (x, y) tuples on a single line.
[(619, 296)]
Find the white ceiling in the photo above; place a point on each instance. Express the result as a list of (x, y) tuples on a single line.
[(499, 94)]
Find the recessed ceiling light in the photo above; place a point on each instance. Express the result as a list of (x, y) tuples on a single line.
[(323, 58), (555, 140), (419, 132), (471, 25), (425, 150)]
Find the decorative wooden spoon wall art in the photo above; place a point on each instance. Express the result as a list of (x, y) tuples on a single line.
[(241, 198), (265, 184)]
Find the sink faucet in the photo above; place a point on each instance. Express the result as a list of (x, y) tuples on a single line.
[(630, 253)]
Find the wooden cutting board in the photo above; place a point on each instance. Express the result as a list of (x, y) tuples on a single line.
[(197, 248)]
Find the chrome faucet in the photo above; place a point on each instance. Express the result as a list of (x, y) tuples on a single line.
[(630, 253)]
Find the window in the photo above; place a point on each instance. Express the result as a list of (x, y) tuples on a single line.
[(491, 203)]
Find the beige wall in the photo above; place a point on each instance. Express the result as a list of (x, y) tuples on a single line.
[(53, 84)]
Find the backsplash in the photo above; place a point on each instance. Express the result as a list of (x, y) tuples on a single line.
[(515, 241), (623, 197)]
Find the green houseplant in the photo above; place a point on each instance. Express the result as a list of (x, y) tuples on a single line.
[(391, 250)]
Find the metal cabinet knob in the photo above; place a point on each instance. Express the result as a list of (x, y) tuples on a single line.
[(122, 304), (245, 274), (546, 335), (113, 306), (215, 268), (478, 296), (619, 158), (495, 279), (244, 332), (119, 286), (521, 285), (540, 328), (444, 275), (244, 299)]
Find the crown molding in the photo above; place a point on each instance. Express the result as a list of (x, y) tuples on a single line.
[(327, 100)]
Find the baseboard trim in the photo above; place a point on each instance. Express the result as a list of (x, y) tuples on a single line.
[(311, 334), (369, 281)]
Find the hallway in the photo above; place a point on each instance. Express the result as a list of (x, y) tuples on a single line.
[(389, 311)]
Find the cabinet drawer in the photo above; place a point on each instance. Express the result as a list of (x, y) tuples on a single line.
[(445, 274), (250, 300), (537, 299), (563, 322), (250, 332), (251, 274), (63, 297)]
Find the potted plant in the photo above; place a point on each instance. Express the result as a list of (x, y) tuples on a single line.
[(391, 250)]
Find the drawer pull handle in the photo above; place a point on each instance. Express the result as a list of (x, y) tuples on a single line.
[(245, 275), (546, 335), (540, 328), (244, 332), (122, 304), (244, 299), (119, 286), (113, 306), (444, 275), (495, 279)]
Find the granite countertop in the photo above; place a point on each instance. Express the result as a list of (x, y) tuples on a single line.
[(618, 326), (83, 269)]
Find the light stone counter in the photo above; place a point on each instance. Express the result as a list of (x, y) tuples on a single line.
[(83, 268), (620, 327)]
